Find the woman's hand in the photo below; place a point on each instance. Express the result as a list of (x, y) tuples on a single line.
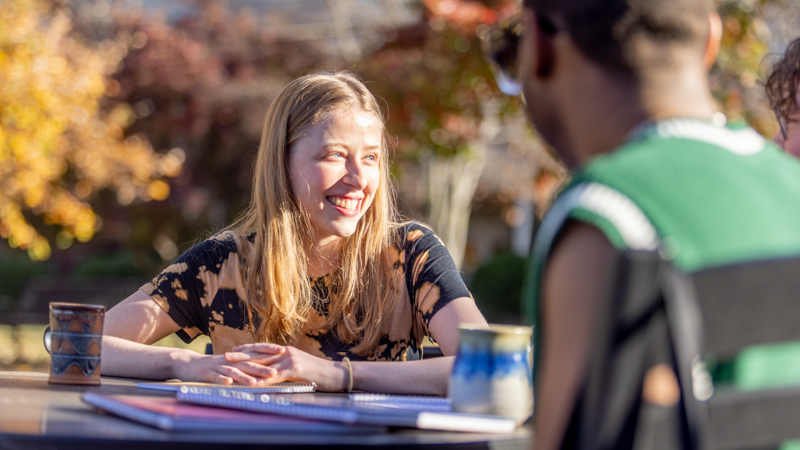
[(216, 369), (292, 364)]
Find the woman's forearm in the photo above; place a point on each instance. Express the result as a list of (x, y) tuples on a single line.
[(125, 358), (426, 377)]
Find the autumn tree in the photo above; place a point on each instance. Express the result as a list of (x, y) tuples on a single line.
[(58, 147), (199, 85)]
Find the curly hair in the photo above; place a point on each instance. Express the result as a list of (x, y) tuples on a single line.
[(783, 80)]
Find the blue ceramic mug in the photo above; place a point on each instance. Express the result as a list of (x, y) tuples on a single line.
[(492, 372)]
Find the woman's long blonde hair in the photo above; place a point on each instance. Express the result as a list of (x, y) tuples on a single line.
[(279, 292)]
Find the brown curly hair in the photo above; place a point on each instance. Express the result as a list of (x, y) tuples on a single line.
[(783, 80)]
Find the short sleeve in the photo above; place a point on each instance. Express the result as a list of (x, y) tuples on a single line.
[(432, 277), (182, 290)]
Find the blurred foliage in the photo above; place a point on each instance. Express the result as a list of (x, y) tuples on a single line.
[(200, 86), (435, 80), (742, 62), (58, 147), (22, 348), (16, 268), (110, 263), (497, 287)]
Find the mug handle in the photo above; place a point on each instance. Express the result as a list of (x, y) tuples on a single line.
[(47, 339)]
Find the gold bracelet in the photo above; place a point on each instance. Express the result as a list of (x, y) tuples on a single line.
[(349, 374)]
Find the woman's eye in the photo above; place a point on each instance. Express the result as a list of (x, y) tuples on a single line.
[(372, 158)]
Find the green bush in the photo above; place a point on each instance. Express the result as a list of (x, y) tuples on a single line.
[(497, 288), (17, 268), (109, 264)]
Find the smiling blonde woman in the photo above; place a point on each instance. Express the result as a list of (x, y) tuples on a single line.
[(317, 272)]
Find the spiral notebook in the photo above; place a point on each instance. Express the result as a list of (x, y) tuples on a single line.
[(413, 402), (286, 387), (169, 414), (344, 410)]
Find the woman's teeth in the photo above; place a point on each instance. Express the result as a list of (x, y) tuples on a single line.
[(348, 204)]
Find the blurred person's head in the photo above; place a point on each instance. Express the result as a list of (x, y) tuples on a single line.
[(321, 178), (783, 93), (651, 55)]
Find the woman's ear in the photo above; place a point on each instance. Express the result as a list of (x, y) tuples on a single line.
[(713, 42)]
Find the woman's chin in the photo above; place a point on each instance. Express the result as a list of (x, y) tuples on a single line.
[(337, 232), (346, 233)]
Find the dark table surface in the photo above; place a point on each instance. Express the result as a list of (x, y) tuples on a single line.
[(38, 415)]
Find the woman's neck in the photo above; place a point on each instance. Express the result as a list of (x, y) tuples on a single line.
[(323, 256)]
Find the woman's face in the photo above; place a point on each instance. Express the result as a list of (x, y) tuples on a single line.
[(335, 170)]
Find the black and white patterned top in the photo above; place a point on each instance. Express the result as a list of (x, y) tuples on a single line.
[(203, 292)]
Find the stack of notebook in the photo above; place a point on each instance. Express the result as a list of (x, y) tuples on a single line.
[(288, 407)]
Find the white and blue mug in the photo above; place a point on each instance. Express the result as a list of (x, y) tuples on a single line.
[(492, 372)]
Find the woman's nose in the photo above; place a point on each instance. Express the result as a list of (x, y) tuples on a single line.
[(356, 175)]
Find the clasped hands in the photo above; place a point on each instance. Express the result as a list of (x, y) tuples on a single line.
[(268, 363)]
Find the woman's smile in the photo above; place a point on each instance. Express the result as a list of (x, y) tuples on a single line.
[(348, 206)]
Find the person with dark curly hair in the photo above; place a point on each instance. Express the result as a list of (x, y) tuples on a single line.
[(783, 92)]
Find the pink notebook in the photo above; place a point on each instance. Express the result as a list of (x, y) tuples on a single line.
[(169, 414)]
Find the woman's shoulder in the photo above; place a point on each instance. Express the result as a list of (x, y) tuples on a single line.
[(220, 245), (232, 239), (410, 225), (414, 233)]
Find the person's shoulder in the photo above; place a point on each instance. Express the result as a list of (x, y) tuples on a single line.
[(412, 230), (632, 156), (416, 235), (220, 245), (648, 162), (680, 143), (223, 241)]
